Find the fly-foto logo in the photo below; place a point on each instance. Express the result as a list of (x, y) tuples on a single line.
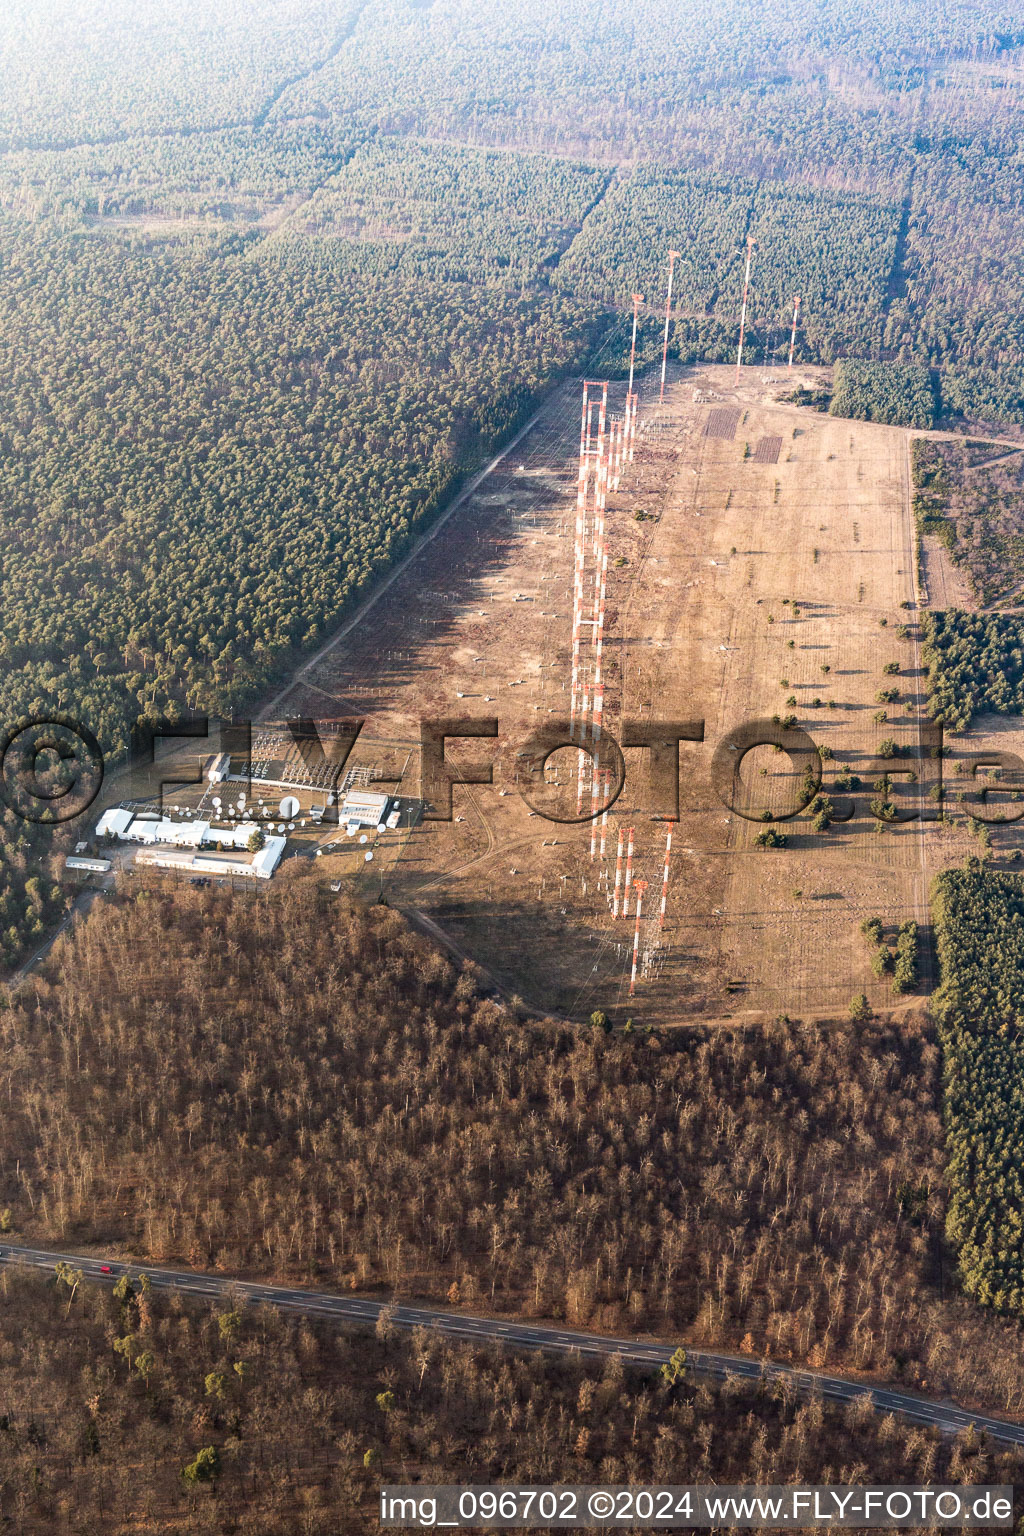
[(52, 768)]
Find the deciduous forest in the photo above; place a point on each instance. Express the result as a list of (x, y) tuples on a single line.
[(275, 278), (293, 1086), (130, 1413), (970, 495)]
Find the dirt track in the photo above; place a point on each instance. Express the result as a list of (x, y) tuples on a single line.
[(700, 624)]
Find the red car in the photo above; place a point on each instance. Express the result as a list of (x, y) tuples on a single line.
[(105, 1269)]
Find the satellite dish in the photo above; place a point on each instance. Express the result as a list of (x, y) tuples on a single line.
[(291, 826), (216, 801), (280, 826), (289, 808), (368, 857), (364, 838)]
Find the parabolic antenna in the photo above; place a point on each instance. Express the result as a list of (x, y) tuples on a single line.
[(289, 808)]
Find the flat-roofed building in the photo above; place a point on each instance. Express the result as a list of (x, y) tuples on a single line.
[(364, 808), (114, 823), (260, 866), (160, 829)]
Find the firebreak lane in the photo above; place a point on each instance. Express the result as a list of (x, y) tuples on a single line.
[(358, 1309)]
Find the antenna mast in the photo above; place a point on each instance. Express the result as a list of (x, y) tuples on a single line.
[(743, 309), (672, 257), (638, 299), (664, 884), (631, 399), (640, 886), (792, 339)]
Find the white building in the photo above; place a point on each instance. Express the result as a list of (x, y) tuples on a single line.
[(219, 768), (160, 829), (175, 844), (88, 866), (260, 867), (114, 822), (268, 858), (232, 836), (362, 808)]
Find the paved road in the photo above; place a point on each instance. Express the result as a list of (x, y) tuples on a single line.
[(486, 1330), (82, 902)]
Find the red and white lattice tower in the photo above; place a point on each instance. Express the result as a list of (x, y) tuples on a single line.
[(673, 256), (629, 445), (613, 458), (601, 783), (591, 451), (596, 622), (792, 339), (664, 883), (641, 886), (743, 306), (579, 552), (600, 587), (618, 874), (629, 874)]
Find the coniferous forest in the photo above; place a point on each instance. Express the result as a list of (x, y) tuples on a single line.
[(276, 276), (978, 920), (297, 1087), (356, 240)]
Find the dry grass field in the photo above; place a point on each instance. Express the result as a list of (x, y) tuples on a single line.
[(769, 576)]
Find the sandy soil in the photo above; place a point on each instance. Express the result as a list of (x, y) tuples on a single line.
[(749, 583)]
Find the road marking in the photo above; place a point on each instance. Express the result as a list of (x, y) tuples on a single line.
[(361, 1310)]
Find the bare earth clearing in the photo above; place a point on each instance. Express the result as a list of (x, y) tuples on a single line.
[(763, 573)]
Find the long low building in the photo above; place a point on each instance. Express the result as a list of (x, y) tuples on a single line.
[(160, 829), (260, 867), (84, 865), (175, 844)]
